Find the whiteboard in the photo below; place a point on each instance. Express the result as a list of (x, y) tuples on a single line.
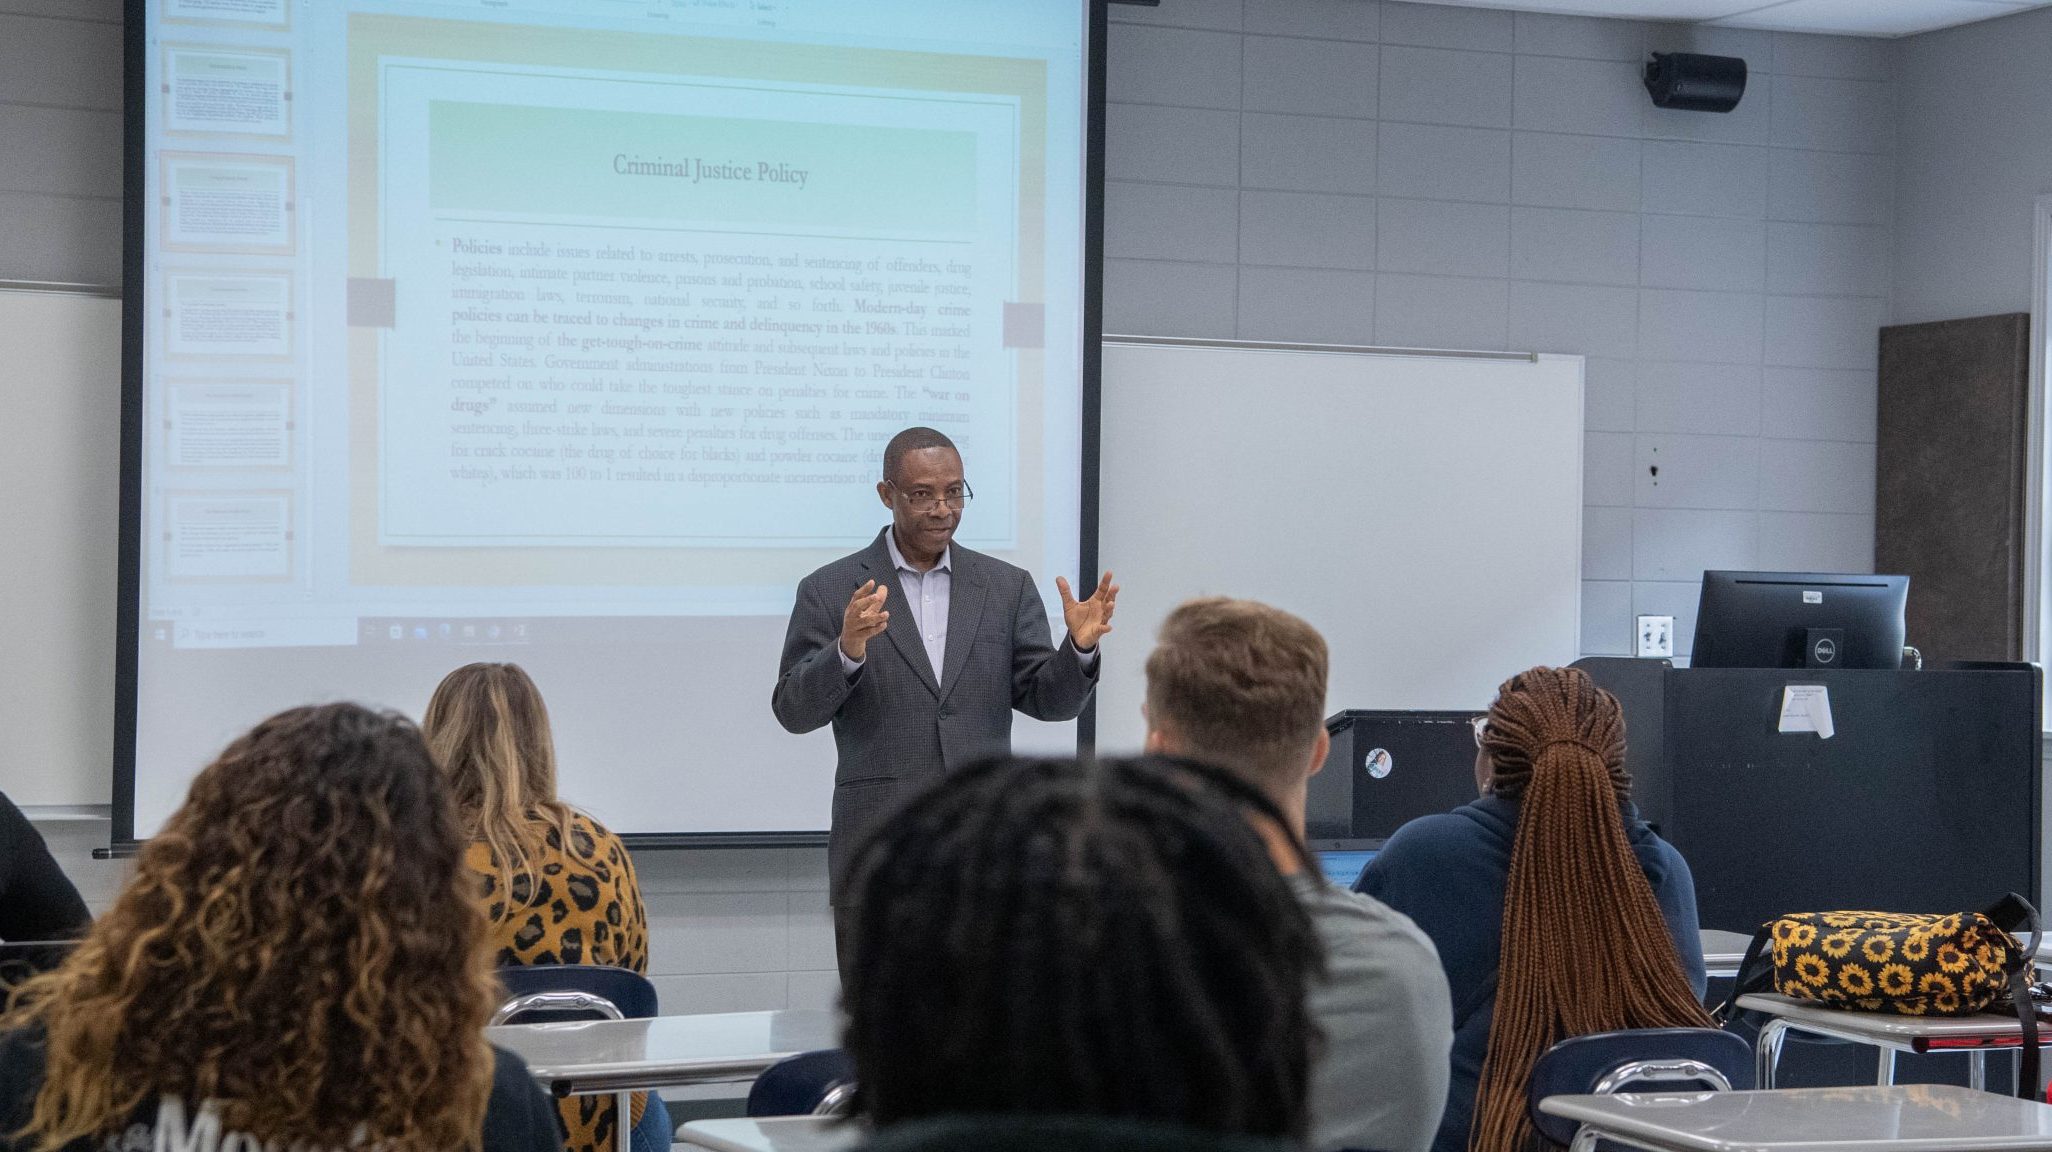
[(1422, 510), (60, 494)]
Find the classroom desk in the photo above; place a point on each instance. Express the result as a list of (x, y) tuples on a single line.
[(1973, 1035), (597, 1056), (1722, 951), (1904, 1118), (772, 1134)]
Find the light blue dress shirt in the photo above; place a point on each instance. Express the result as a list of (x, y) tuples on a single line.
[(928, 594)]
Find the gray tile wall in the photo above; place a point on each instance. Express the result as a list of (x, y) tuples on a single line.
[(1351, 171), (1974, 159), (60, 140), (1413, 174)]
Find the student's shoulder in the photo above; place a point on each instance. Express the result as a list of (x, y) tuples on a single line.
[(515, 1099), (1663, 862), (22, 1053), (1377, 962), (508, 1070), (597, 847), (583, 823), (1356, 922), (1431, 836)]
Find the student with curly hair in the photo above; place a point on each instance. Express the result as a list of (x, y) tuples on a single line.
[(1556, 910), (299, 961)]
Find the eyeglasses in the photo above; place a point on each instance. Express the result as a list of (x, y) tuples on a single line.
[(1480, 724), (920, 500)]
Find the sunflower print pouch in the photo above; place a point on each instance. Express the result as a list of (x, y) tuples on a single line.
[(1911, 965), (1953, 964)]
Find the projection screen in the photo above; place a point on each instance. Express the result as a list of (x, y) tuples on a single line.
[(569, 332)]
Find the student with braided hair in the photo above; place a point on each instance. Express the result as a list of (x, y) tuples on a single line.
[(1084, 954), (1556, 910)]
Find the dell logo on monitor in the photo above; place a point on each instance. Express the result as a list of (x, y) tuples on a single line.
[(1826, 650)]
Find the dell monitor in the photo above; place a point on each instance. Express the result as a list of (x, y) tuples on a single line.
[(1799, 620)]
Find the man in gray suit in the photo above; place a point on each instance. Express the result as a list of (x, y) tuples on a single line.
[(964, 641)]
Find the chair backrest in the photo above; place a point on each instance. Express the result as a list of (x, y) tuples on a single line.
[(548, 993), (1635, 1059), (799, 1085), (21, 959)]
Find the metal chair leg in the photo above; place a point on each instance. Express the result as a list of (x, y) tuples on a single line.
[(1767, 1051), (1977, 1071), (1885, 1073)]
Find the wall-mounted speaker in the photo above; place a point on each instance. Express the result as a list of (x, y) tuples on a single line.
[(1696, 83)]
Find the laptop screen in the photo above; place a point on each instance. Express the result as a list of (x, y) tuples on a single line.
[(1343, 868)]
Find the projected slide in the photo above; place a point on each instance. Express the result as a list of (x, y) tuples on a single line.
[(569, 332)]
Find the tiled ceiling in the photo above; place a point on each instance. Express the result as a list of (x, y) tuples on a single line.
[(1843, 17)]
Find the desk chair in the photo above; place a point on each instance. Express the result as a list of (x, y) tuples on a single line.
[(554, 993), (549, 993), (21, 959), (1606, 1062), (818, 1083)]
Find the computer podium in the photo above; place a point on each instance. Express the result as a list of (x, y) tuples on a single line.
[(1926, 799)]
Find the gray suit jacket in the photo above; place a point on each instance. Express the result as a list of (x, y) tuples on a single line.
[(898, 726)]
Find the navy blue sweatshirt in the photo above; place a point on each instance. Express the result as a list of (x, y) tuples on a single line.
[(1447, 873)]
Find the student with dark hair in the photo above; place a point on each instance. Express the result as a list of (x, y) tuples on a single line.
[(1241, 685), (298, 962), (1556, 910), (1049, 939), (37, 900)]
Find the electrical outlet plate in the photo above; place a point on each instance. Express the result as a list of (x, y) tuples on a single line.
[(1656, 637)]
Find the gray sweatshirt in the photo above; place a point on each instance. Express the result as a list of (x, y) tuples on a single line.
[(1387, 1017)]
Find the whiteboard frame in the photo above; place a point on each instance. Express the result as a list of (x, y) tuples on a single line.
[(1572, 603)]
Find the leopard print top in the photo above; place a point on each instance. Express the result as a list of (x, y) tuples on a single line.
[(580, 906)]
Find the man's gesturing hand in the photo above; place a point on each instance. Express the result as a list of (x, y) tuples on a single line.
[(863, 618), (1090, 619)]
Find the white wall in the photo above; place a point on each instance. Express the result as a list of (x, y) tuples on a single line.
[(1976, 148), (1362, 172)]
